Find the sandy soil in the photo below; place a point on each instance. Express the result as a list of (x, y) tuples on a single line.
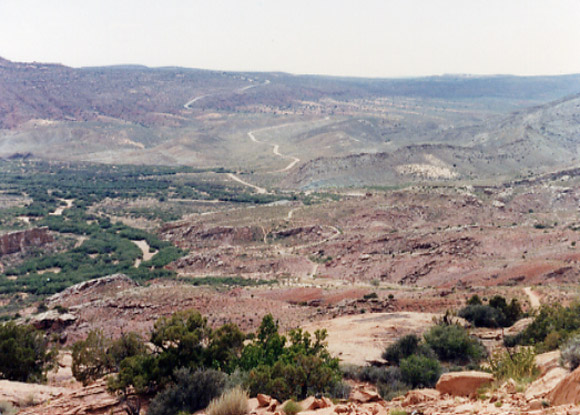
[(534, 298), (361, 338), (147, 254)]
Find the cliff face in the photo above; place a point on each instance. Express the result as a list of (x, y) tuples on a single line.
[(13, 242)]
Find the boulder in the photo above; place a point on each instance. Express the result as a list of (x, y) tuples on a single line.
[(311, 403), (546, 383), (463, 383), (535, 404), (364, 395), (341, 409), (567, 391), (519, 326), (510, 386), (418, 396), (548, 361), (263, 400)]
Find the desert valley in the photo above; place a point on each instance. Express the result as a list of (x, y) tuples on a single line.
[(327, 245)]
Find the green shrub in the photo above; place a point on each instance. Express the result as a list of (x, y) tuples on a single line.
[(291, 408), (402, 348), (237, 378), (512, 340), (128, 345), (570, 353), (372, 374), (405, 347), (481, 315), (452, 343), (90, 359), (497, 314), (563, 321), (340, 390), (302, 367), (97, 355), (552, 341), (192, 391), (231, 402), (24, 353), (519, 365), (304, 376), (389, 391), (420, 371), (511, 312), (139, 373), (474, 300)]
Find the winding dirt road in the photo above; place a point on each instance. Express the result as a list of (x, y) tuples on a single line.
[(258, 189), (245, 88), (275, 149), (188, 104), (59, 210)]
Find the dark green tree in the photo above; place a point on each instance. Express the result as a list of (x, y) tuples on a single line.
[(180, 340), (98, 355), (90, 357), (25, 355), (225, 348), (267, 346), (293, 371)]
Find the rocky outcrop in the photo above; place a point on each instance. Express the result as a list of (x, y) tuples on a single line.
[(92, 399), (13, 242), (546, 383), (22, 394), (567, 391), (463, 383), (92, 287), (52, 320)]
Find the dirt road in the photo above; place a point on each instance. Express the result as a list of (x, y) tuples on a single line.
[(258, 189), (188, 104), (275, 150), (534, 299)]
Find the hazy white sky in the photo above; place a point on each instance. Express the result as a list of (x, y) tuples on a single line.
[(380, 38)]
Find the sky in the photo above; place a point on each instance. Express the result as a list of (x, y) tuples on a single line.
[(368, 38)]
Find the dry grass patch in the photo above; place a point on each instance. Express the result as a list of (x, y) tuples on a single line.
[(231, 402)]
